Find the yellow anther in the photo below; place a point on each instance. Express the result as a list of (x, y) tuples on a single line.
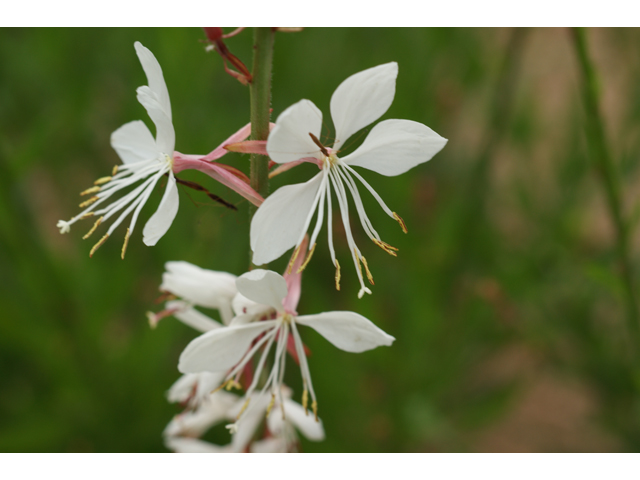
[(337, 275), (87, 215), (386, 247), (401, 222), (306, 262), (90, 190), (366, 268), (98, 245), (114, 171), (124, 245), (102, 180), (93, 229), (355, 251), (296, 252), (305, 400), (314, 407), (244, 407), (88, 202), (271, 403), (218, 388)]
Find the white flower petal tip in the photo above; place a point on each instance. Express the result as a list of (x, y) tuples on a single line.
[(363, 98), (145, 160), (395, 146), (289, 140), (391, 148), (162, 219), (263, 286), (348, 331)]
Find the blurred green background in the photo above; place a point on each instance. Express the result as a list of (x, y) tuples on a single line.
[(505, 299)]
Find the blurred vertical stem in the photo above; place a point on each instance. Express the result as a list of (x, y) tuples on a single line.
[(260, 92), (604, 165)]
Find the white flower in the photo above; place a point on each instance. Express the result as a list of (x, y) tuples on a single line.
[(144, 159), (280, 433), (230, 348), (391, 148), (197, 287)]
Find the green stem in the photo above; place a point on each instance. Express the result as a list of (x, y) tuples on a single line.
[(603, 163), (260, 91)]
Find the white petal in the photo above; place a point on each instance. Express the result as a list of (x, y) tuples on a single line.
[(134, 143), (193, 445), (263, 286), (191, 317), (161, 220), (305, 423), (362, 98), (196, 422), (165, 133), (155, 78), (280, 220), (242, 305), (289, 140), (348, 331), (250, 421), (183, 387), (394, 146), (200, 286), (220, 349)]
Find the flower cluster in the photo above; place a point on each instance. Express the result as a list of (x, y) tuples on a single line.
[(246, 350)]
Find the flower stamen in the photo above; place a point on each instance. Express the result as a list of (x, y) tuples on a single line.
[(293, 258), (401, 222), (102, 180), (366, 268), (88, 202), (306, 262), (337, 275), (90, 190), (98, 245), (391, 250), (126, 242), (317, 142), (93, 229)]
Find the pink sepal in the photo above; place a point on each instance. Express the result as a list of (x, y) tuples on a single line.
[(217, 172), (239, 136), (249, 146)]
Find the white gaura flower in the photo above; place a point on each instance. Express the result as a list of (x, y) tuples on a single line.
[(144, 159), (391, 148), (197, 287), (230, 348), (279, 434)]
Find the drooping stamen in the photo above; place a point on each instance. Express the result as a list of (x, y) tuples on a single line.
[(102, 180), (296, 252), (314, 407), (337, 275), (126, 242), (386, 247), (244, 407), (355, 252), (317, 142), (93, 229), (271, 403), (90, 190), (98, 245), (305, 399), (366, 268), (306, 262), (401, 222), (114, 171), (88, 202), (87, 215)]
